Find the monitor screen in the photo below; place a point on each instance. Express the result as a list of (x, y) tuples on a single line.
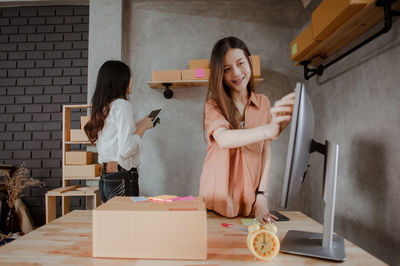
[(301, 134)]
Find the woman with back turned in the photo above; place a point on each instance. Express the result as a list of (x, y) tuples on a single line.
[(112, 126)]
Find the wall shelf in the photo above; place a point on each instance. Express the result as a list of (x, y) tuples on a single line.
[(366, 18), (167, 85)]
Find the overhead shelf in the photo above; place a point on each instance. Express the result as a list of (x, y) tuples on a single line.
[(167, 85), (360, 22), (353, 28)]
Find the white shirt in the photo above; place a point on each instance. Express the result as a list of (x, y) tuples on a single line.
[(117, 140)]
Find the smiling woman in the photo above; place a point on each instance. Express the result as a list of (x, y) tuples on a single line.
[(240, 125)]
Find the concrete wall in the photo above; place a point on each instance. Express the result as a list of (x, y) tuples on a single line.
[(164, 35), (105, 39)]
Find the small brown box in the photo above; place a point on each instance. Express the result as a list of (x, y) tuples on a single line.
[(256, 62), (84, 120), (166, 75), (195, 74), (303, 43), (151, 230), (331, 14), (199, 63), (78, 157), (90, 170), (78, 135)]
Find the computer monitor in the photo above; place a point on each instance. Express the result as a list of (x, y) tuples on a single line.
[(301, 144)]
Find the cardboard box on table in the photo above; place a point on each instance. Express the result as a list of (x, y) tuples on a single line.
[(153, 230)]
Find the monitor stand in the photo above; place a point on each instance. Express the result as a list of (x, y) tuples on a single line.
[(326, 245)]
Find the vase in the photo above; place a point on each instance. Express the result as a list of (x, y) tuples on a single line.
[(12, 222)]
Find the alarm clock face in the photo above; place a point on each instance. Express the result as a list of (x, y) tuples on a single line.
[(263, 244)]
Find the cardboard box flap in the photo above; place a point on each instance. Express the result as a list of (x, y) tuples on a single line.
[(125, 203)]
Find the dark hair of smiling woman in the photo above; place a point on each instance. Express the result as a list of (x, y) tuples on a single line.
[(217, 88)]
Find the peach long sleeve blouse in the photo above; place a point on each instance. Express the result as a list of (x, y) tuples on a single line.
[(230, 177)]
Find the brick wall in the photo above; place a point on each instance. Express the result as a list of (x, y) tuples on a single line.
[(43, 65)]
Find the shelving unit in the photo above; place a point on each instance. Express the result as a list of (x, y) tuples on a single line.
[(373, 13), (67, 190), (167, 85)]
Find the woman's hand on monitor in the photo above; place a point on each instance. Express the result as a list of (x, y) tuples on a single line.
[(283, 108), (274, 128)]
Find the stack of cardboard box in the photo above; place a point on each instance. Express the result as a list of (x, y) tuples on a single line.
[(199, 69), (328, 17), (80, 163)]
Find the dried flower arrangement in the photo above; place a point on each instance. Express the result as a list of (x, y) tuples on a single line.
[(17, 182)]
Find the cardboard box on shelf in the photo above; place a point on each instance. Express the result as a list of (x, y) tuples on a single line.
[(90, 170), (78, 135), (256, 62), (199, 63), (78, 157), (84, 120), (166, 75), (331, 14), (303, 43), (152, 230), (195, 74)]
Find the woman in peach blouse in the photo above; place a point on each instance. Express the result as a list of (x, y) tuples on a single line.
[(240, 125)]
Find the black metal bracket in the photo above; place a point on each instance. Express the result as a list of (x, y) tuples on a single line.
[(318, 147), (168, 93), (389, 14)]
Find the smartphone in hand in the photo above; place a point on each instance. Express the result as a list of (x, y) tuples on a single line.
[(154, 116)]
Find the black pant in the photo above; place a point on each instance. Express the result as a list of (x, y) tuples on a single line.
[(121, 183)]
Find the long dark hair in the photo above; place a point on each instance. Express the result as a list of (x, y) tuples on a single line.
[(217, 88), (112, 83)]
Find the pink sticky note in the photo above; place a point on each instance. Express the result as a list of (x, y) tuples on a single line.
[(199, 73), (183, 198)]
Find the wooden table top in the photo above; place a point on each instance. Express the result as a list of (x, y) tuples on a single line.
[(68, 241)]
